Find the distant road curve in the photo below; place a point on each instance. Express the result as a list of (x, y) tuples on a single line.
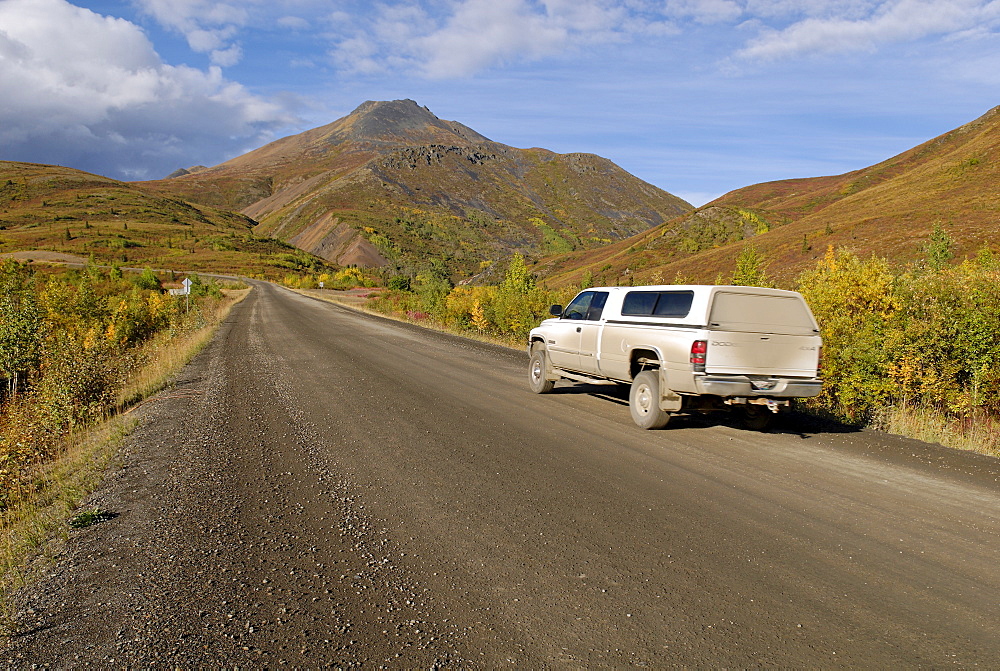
[(41, 255), (72, 261), (323, 487)]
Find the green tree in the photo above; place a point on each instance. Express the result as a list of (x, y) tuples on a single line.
[(516, 307), (750, 270), (20, 321), (517, 281), (398, 283), (432, 287), (148, 280), (939, 249)]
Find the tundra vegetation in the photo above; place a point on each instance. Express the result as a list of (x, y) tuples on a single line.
[(56, 209), (910, 349)]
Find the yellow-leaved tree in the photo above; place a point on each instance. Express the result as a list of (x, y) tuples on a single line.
[(854, 302)]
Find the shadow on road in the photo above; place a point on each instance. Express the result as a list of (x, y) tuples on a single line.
[(794, 422)]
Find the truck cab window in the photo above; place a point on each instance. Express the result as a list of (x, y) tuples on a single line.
[(597, 306), (579, 307)]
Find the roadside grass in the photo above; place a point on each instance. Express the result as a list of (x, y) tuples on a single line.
[(33, 531), (979, 434), (35, 526)]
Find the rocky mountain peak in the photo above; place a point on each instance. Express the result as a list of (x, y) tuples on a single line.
[(391, 183), (404, 121)]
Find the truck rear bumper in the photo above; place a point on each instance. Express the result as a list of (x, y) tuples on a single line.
[(740, 385)]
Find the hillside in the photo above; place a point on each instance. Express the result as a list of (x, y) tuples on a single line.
[(888, 209), (392, 185), (58, 209)]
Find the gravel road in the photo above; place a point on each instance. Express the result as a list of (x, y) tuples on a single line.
[(323, 488)]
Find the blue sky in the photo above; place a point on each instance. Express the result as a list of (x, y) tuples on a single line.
[(698, 97)]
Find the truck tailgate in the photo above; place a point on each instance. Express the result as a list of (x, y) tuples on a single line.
[(774, 355)]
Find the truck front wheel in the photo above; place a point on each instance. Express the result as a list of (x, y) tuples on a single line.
[(536, 372), (644, 401)]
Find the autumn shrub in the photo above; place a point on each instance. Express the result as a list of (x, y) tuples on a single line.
[(924, 336), (148, 280), (398, 283), (506, 311), (396, 302), (200, 288), (466, 308), (853, 302), (348, 277), (68, 344), (944, 349)]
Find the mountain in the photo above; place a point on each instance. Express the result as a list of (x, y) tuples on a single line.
[(56, 209), (391, 184), (889, 210)]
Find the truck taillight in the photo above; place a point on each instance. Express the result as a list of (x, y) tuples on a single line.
[(698, 350), (819, 361)]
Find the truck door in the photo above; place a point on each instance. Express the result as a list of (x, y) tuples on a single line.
[(564, 337), (590, 334)]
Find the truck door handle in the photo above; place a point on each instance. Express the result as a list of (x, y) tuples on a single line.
[(579, 328)]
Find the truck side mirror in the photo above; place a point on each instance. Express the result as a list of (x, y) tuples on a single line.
[(555, 310)]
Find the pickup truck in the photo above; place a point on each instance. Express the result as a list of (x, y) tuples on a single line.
[(683, 348)]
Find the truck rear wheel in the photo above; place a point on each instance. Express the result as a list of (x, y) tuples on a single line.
[(644, 401), (756, 417), (536, 372)]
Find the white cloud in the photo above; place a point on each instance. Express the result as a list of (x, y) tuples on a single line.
[(441, 39), (90, 91), (357, 54), (293, 23), (706, 11), (482, 33), (227, 57), (887, 23), (473, 35), (381, 43), (208, 25)]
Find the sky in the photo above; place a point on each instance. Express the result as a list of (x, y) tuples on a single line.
[(698, 97)]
